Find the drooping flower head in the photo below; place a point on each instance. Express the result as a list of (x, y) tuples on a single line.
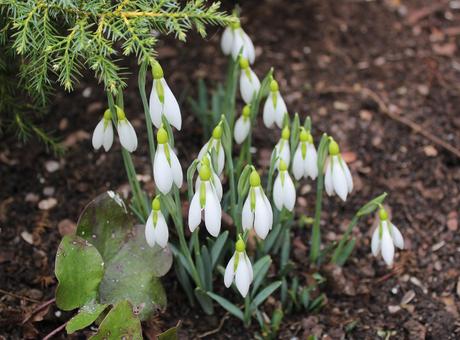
[(215, 180), (249, 82), (162, 101), (156, 229), (284, 194), (166, 166), (243, 125), (215, 143), (103, 133), (235, 41), (275, 108), (205, 199), (385, 237), (257, 212), (128, 137), (282, 149), (239, 269), (305, 159), (338, 177)]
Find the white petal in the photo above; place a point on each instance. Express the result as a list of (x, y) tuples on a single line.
[(229, 272), (128, 138), (278, 193), (161, 231), (242, 127), (220, 159), (269, 114), (171, 108), (298, 164), (289, 193), (249, 86), (348, 177), (269, 209), (149, 231), (328, 178), (338, 179), (242, 276), (262, 217), (280, 109), (226, 41), (212, 211), (203, 151), (249, 265), (247, 215), (388, 248), (237, 44), (398, 239), (283, 152), (217, 186), (194, 212), (108, 137), (155, 106), (176, 168), (249, 50), (162, 173), (98, 135), (311, 162), (375, 243)]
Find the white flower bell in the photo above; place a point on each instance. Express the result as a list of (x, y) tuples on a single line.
[(338, 177), (215, 180), (215, 143), (239, 269), (128, 137), (103, 133), (156, 229), (234, 40), (205, 199), (305, 162), (163, 102), (249, 82), (385, 237), (282, 149), (243, 125), (283, 190), (257, 212), (275, 108), (166, 166)]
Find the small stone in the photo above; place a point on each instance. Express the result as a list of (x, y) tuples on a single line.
[(341, 106), (32, 197), (86, 93), (47, 204), (458, 287), (66, 227), (452, 221), (365, 115), (52, 166), (438, 246), (408, 297), (430, 151), (28, 237), (48, 191), (424, 90), (394, 309)]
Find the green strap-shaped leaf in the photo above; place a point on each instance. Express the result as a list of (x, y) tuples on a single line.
[(227, 305), (85, 317), (264, 294)]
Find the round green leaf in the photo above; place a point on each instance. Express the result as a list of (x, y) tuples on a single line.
[(85, 317)]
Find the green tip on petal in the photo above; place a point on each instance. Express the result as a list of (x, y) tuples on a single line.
[(274, 86), (205, 161), (254, 179), (235, 25), (205, 173), (285, 133), (162, 136), (244, 64), (107, 114), (303, 135), (120, 114), (240, 246), (156, 205), (217, 132), (334, 149), (282, 165), (383, 215), (246, 111), (157, 71)]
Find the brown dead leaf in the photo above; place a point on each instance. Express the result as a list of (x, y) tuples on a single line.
[(452, 220), (447, 49), (76, 137), (349, 156)]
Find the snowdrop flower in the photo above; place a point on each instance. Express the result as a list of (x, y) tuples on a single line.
[(257, 212), (305, 161), (282, 149), (128, 137), (239, 268), (162, 101), (249, 83), (243, 125), (275, 108), (215, 180), (156, 229), (283, 189), (103, 133), (166, 166), (234, 40), (216, 144), (205, 199), (338, 177), (385, 238)]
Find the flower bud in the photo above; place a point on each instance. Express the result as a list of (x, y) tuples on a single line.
[(254, 179), (162, 136), (334, 149), (285, 133), (383, 215), (107, 114), (244, 64), (274, 86), (205, 173), (217, 132), (282, 165), (120, 113), (246, 111), (240, 246), (156, 205)]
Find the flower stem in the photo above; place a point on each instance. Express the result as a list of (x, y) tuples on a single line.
[(141, 83), (316, 235)]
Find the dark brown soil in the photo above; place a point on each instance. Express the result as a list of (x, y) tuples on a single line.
[(365, 71)]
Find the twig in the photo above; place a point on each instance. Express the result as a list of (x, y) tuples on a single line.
[(18, 296), (365, 92), (57, 330), (213, 331), (422, 13), (39, 308)]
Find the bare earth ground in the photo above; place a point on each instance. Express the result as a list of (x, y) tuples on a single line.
[(368, 73)]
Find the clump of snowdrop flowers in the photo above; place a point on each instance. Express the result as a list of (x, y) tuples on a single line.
[(239, 269), (235, 40), (257, 212), (205, 199), (283, 189), (162, 101), (243, 125), (103, 133), (275, 108), (338, 177), (215, 143), (249, 82), (166, 166), (156, 229), (305, 159), (282, 149), (128, 137), (385, 237), (215, 180)]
